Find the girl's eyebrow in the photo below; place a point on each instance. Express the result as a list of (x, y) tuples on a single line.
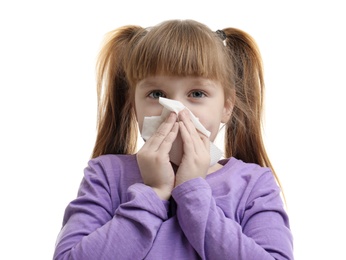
[(203, 83), (147, 83)]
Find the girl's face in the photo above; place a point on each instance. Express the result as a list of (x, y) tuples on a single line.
[(205, 98)]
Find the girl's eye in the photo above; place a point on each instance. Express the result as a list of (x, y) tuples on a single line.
[(156, 94), (197, 94)]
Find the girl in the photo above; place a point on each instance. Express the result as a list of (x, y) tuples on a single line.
[(141, 205)]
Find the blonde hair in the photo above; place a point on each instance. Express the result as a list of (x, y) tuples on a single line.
[(180, 48)]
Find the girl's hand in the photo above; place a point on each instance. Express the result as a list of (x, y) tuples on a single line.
[(153, 158), (196, 155)]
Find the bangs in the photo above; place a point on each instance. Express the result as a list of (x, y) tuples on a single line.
[(177, 48)]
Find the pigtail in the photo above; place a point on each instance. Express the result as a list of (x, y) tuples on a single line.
[(116, 122), (244, 129)]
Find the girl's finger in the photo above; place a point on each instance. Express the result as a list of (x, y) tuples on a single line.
[(162, 132), (193, 133), (167, 142), (186, 137), (185, 117)]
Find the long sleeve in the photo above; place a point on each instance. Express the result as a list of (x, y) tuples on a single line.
[(230, 222), (235, 213), (105, 222)]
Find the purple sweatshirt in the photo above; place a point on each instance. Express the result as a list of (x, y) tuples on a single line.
[(235, 213)]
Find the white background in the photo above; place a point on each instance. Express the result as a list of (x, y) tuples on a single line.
[(48, 51)]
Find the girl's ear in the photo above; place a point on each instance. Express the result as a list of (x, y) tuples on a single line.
[(227, 110)]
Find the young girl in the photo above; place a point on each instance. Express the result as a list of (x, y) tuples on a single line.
[(141, 205)]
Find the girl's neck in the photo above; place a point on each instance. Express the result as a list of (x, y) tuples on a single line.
[(211, 169), (214, 168)]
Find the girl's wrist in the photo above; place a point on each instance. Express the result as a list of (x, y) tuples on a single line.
[(163, 194)]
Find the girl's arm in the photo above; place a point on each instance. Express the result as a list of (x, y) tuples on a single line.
[(97, 225), (262, 232)]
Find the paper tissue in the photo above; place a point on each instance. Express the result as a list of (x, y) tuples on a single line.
[(150, 125)]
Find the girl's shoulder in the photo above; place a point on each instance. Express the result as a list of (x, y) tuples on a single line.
[(115, 167), (238, 185), (245, 175), (115, 160), (113, 173), (240, 168)]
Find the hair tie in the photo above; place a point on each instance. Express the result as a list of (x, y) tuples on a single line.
[(222, 35)]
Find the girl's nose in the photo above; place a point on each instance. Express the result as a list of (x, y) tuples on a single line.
[(181, 100)]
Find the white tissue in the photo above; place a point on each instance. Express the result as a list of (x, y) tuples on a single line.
[(150, 125)]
